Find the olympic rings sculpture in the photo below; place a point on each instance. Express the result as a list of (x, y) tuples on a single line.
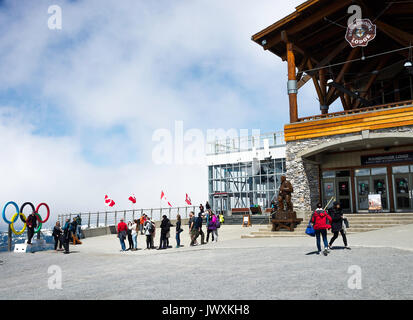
[(19, 213)]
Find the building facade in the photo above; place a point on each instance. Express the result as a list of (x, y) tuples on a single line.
[(241, 177)]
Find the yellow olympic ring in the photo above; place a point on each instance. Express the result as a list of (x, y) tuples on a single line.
[(12, 224)]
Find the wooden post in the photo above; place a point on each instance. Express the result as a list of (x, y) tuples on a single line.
[(9, 240), (292, 96)]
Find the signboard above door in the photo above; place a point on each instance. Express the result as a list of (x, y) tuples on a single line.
[(387, 158)]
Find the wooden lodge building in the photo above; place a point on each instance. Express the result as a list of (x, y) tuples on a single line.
[(364, 151)]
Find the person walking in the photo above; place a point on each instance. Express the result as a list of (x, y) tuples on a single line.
[(135, 231), (31, 223), (322, 222), (198, 226), (129, 233), (153, 233), (336, 214), (122, 233), (148, 229), (178, 231), (66, 236), (58, 236), (201, 208), (210, 228), (207, 206)]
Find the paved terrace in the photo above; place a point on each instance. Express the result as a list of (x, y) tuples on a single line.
[(233, 268)]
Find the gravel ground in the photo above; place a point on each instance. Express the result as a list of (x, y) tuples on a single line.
[(233, 269)]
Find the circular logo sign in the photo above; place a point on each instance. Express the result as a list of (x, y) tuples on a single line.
[(360, 33)]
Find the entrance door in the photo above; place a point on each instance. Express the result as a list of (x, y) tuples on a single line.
[(328, 191), (402, 191), (362, 193), (380, 187), (221, 204), (344, 193)]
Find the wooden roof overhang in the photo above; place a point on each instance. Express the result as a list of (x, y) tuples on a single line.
[(312, 40)]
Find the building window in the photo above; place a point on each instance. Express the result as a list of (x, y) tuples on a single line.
[(362, 172), (329, 174), (401, 169), (378, 171)]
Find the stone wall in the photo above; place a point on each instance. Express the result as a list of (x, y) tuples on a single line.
[(304, 175)]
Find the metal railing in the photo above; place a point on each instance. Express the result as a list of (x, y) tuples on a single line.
[(110, 218)]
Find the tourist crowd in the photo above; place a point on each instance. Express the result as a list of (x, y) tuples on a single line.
[(147, 227)]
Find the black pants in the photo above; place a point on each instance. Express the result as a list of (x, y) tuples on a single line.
[(208, 232), (30, 234), (130, 240), (58, 241), (148, 241), (335, 235), (164, 241), (66, 243)]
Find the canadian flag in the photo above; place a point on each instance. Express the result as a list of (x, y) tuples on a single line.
[(132, 198), (164, 198), (188, 200), (109, 202)]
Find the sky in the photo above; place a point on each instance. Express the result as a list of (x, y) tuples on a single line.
[(79, 106)]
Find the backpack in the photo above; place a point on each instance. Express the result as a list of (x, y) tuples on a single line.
[(151, 228), (217, 223)]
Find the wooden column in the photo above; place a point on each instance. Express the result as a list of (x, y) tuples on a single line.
[(292, 76), (353, 191)]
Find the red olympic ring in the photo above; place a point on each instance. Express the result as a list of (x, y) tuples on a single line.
[(48, 212)]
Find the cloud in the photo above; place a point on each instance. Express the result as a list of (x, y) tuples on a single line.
[(88, 98)]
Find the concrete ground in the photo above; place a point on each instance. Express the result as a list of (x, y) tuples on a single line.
[(232, 268)]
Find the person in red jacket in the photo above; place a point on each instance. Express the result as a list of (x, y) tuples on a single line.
[(122, 233), (321, 223)]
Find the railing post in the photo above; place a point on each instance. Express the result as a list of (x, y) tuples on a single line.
[(106, 219), (124, 216), (116, 217), (9, 240), (133, 215), (169, 214), (151, 213), (186, 212), (97, 220), (88, 221)]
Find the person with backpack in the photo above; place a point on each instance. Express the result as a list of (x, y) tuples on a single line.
[(321, 223), (209, 225), (198, 225), (178, 231), (149, 229), (193, 231), (336, 214), (122, 234), (212, 227), (142, 222), (73, 230), (207, 206)]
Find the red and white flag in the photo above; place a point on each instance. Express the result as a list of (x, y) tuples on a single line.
[(188, 200), (132, 198), (109, 202), (164, 198)]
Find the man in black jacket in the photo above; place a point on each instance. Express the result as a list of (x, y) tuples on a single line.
[(31, 223), (165, 228)]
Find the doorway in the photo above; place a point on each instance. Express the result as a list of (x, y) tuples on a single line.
[(402, 183)]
